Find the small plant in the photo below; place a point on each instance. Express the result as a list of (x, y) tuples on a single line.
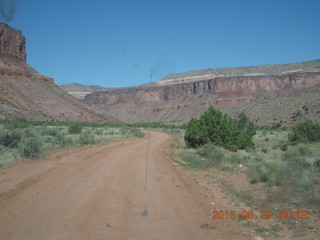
[(10, 138), (86, 138), (283, 147), (210, 151), (207, 226), (273, 173), (50, 131), (75, 129), (18, 123), (30, 147), (276, 125), (61, 139)]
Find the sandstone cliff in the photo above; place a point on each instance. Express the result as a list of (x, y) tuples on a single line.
[(12, 43), (24, 93), (179, 97)]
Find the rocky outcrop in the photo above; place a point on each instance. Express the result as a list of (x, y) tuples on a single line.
[(12, 43), (181, 100), (25, 93)]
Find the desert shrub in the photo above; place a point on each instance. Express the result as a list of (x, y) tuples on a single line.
[(86, 138), (275, 125), (308, 131), (61, 139), (210, 151), (75, 128), (18, 123), (299, 158), (10, 138), (47, 131), (283, 147), (9, 158), (193, 161), (29, 132), (133, 132), (30, 147), (301, 174), (221, 130), (271, 172), (99, 132), (304, 150)]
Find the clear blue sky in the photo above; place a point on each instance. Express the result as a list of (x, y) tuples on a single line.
[(119, 43)]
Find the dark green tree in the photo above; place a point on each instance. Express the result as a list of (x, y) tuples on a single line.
[(245, 124), (220, 129), (308, 131), (195, 135)]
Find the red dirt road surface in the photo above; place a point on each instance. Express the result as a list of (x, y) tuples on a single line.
[(123, 190)]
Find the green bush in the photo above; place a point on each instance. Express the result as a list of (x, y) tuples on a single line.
[(50, 131), (196, 134), (221, 130), (10, 138), (86, 138), (75, 129), (308, 131), (210, 151), (284, 147), (30, 147), (134, 132), (61, 139), (275, 126), (298, 158), (271, 172), (18, 123)]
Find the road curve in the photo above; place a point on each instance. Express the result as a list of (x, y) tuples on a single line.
[(122, 190)]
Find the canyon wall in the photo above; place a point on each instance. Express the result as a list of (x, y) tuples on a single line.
[(181, 100)]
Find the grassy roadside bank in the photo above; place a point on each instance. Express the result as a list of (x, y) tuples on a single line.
[(20, 139), (275, 175)]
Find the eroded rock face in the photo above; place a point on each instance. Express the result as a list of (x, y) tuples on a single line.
[(12, 43), (25, 93), (183, 100)]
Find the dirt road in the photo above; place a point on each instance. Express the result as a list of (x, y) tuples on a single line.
[(123, 190)]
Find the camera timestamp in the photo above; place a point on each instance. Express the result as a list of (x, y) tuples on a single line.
[(268, 214)]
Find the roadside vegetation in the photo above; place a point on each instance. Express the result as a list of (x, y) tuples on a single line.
[(281, 165), (20, 139)]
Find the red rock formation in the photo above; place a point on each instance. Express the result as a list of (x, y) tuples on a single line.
[(12, 43), (24, 93), (184, 99)]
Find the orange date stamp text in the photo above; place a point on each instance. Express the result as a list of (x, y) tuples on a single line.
[(250, 214)]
